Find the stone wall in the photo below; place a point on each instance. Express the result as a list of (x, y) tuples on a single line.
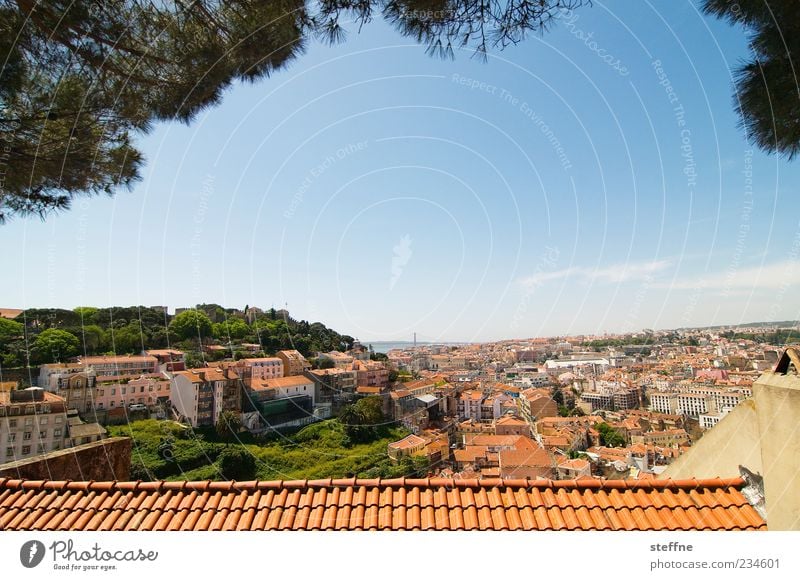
[(105, 460)]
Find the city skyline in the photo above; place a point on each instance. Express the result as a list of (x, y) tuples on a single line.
[(586, 181)]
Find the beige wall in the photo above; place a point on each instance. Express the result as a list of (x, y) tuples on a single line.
[(762, 434)]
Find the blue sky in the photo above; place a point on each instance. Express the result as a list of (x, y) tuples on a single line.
[(590, 180)]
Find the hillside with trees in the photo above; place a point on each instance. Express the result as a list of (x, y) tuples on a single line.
[(39, 335)]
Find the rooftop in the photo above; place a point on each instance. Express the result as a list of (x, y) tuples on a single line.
[(375, 504)]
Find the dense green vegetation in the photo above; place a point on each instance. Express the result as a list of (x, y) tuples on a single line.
[(54, 335), (609, 436), (168, 450)]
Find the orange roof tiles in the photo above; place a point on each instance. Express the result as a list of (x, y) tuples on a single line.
[(374, 504)]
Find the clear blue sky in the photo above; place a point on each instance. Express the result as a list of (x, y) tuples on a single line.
[(382, 192)]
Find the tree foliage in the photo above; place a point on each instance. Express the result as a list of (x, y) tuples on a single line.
[(9, 330), (363, 420), (82, 78), (237, 463), (191, 324), (609, 436), (767, 85), (228, 424), (55, 345)]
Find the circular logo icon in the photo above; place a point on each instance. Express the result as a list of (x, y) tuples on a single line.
[(31, 553)]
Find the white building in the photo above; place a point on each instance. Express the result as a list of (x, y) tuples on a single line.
[(664, 403), (32, 422), (261, 368)]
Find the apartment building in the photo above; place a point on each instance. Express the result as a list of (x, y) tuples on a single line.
[(276, 402), (260, 368), (115, 394), (695, 404), (32, 421), (294, 363), (666, 403), (109, 366), (371, 374), (333, 385), (201, 395), (340, 360), (534, 403)]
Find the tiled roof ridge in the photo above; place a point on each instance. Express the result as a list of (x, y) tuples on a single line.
[(434, 482)]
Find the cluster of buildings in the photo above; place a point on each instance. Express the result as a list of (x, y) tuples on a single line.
[(547, 407)]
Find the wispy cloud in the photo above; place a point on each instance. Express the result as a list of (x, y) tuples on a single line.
[(613, 274), (773, 276)]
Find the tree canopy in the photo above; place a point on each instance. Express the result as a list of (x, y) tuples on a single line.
[(80, 78), (767, 85)]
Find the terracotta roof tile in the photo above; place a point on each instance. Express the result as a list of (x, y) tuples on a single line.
[(391, 504)]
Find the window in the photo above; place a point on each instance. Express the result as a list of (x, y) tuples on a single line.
[(151, 388), (45, 409), (30, 410), (124, 390), (27, 435), (28, 421), (41, 448), (44, 421), (11, 437), (101, 392), (141, 389), (59, 420), (113, 391), (43, 434), (26, 449), (9, 452), (12, 423), (56, 432), (113, 404)]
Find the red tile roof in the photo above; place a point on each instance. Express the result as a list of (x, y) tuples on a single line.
[(374, 504)]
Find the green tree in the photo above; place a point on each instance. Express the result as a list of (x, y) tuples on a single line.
[(191, 324), (53, 345), (609, 436), (128, 339), (88, 314), (228, 425), (82, 79), (767, 83), (325, 363), (10, 330), (231, 329), (237, 463), (94, 339)]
